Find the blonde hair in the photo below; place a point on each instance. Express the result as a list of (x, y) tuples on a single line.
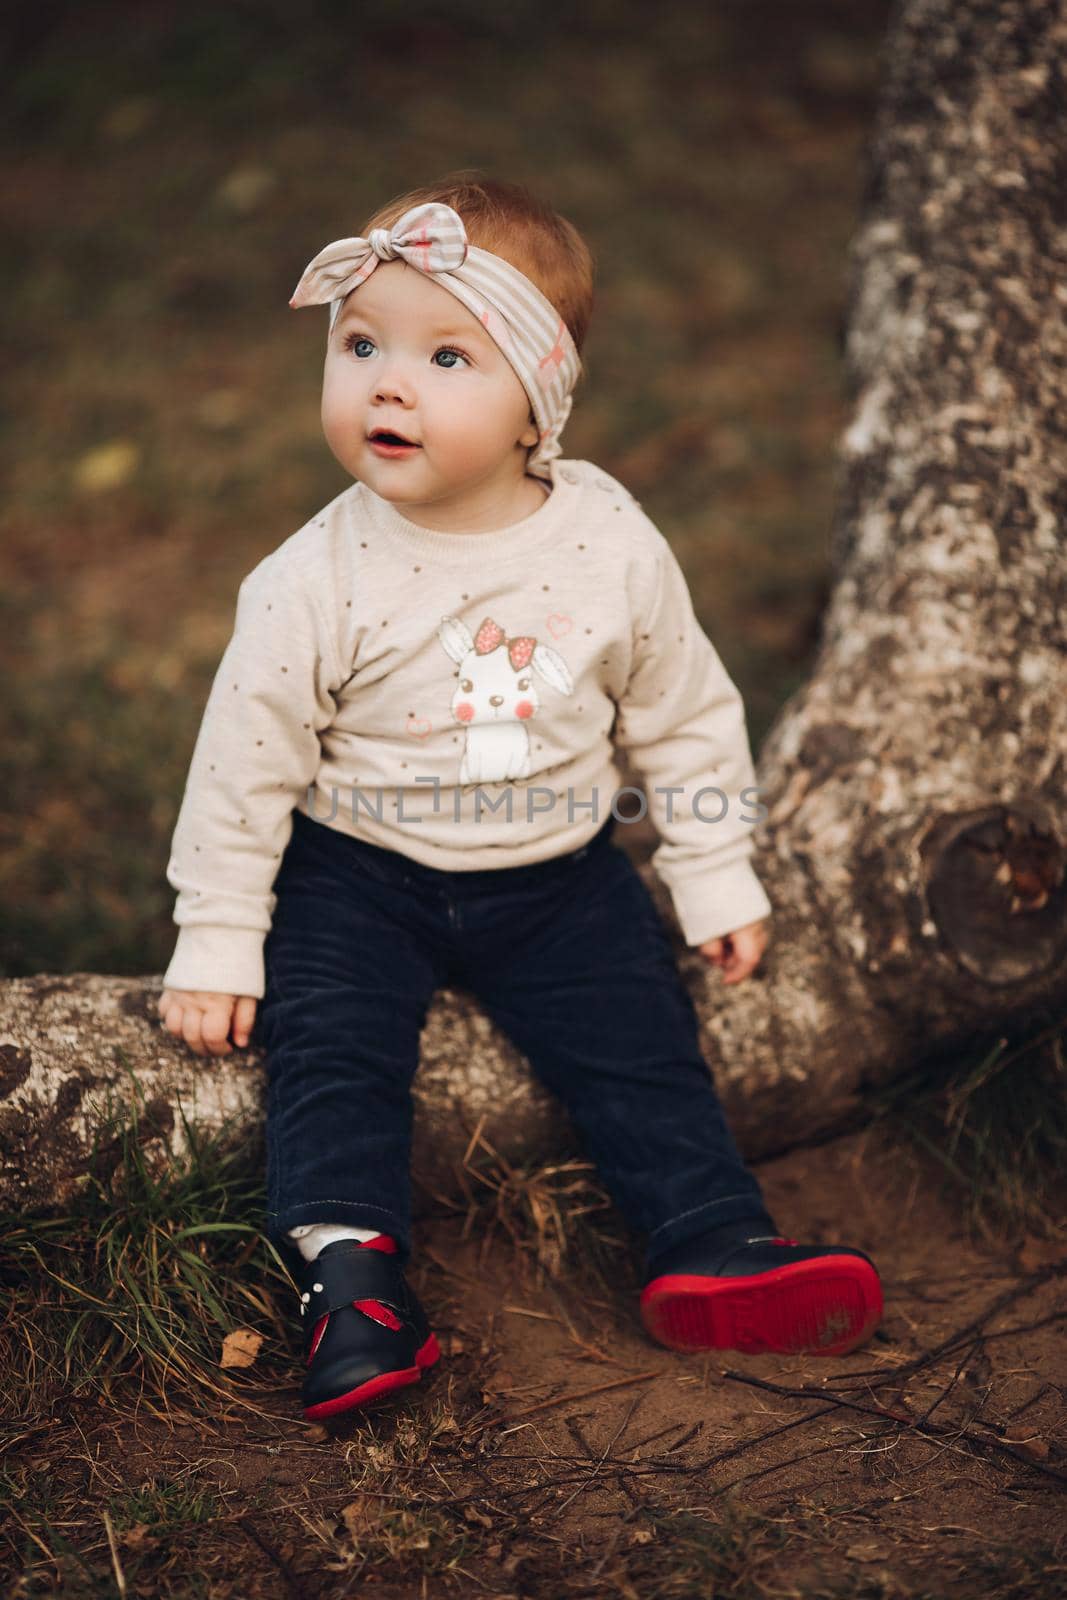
[(508, 220)]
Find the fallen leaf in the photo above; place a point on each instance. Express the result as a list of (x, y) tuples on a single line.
[(109, 466), (865, 1552), (137, 1537), (240, 1348), (359, 1516), (1033, 1448), (245, 187), (1034, 1253), (222, 408), (128, 117)]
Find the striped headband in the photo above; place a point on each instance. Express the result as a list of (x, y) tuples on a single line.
[(527, 328)]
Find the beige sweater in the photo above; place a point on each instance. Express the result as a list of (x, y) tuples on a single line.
[(459, 697)]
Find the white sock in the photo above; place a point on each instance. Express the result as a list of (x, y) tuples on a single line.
[(312, 1237)]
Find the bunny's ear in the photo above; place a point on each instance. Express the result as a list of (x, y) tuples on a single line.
[(456, 637), (552, 667)]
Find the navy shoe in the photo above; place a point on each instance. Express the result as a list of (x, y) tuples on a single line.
[(365, 1333), (761, 1293)]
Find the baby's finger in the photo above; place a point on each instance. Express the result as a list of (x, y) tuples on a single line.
[(216, 1026), (192, 1028), (168, 1000), (735, 964), (244, 1015), (172, 1018), (743, 964)]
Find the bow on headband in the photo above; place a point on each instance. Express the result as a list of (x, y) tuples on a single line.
[(524, 325), (491, 636), (431, 237)]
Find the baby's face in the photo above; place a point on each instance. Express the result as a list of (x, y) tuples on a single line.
[(405, 355), (488, 689)]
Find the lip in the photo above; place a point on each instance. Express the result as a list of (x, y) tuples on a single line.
[(381, 448)]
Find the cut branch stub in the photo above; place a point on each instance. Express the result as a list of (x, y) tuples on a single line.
[(996, 889)]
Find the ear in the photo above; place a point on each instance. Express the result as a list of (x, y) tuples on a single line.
[(529, 436), (455, 636), (552, 667)]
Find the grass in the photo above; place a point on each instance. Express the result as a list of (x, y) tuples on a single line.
[(162, 1503), (553, 1217), (128, 1293), (995, 1121)]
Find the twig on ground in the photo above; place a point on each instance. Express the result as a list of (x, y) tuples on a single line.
[(583, 1394), (120, 1576), (928, 1430), (1024, 1286), (296, 1588), (623, 1425)]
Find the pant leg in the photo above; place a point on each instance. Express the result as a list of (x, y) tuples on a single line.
[(351, 967), (583, 979)]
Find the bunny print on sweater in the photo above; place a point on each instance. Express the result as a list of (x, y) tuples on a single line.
[(497, 695)]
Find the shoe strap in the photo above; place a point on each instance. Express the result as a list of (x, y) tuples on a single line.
[(335, 1280), (807, 1252), (738, 1246)]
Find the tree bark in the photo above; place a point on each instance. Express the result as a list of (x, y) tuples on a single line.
[(914, 845), (915, 839)]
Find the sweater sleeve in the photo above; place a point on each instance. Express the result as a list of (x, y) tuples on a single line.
[(256, 753), (681, 721)]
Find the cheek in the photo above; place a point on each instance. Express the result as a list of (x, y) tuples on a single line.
[(525, 708), (469, 424), (464, 712), (335, 410), (460, 436)]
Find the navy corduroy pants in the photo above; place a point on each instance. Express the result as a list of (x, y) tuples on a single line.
[(569, 957)]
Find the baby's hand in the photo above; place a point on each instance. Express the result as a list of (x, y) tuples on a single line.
[(737, 953), (203, 1019)]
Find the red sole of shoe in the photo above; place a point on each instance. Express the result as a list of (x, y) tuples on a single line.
[(823, 1307), (374, 1388)]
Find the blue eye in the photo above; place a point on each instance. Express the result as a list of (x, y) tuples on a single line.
[(360, 346)]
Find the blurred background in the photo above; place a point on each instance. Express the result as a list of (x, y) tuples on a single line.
[(169, 171)]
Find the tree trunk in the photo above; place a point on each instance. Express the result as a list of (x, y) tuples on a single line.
[(914, 847)]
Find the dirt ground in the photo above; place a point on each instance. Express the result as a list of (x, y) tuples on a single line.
[(554, 1451)]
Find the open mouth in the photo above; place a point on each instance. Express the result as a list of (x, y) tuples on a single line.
[(387, 437)]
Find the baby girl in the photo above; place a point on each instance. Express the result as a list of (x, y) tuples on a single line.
[(407, 775)]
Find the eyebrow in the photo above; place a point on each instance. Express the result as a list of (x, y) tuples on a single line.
[(443, 330)]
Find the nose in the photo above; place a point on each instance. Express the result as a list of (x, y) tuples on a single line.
[(393, 383), (496, 699), (393, 388)]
